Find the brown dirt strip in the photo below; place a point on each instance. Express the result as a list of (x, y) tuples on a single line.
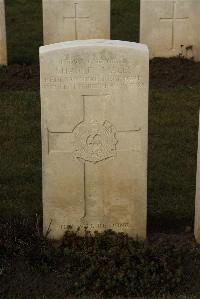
[(172, 72)]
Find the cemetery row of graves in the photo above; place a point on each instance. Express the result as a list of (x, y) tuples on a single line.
[(112, 129)]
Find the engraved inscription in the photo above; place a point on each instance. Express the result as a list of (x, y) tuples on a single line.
[(95, 141), (99, 71), (96, 226)]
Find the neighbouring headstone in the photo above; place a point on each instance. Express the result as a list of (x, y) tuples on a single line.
[(3, 46), (171, 27), (197, 200), (94, 97), (67, 20)]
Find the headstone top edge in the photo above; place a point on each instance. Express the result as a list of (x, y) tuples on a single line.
[(93, 42)]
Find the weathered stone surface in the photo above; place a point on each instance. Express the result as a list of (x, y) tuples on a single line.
[(94, 97), (3, 47), (67, 20), (171, 28)]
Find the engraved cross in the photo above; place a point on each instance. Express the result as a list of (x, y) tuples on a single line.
[(76, 18), (99, 141), (173, 20)]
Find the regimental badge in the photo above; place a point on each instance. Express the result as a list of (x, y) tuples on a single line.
[(94, 141)]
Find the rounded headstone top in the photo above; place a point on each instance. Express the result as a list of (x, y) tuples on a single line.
[(95, 43)]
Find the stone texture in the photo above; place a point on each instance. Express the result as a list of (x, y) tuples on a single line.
[(171, 28), (67, 20), (3, 47), (94, 97)]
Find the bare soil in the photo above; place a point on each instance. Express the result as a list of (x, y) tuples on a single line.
[(172, 72), (19, 77)]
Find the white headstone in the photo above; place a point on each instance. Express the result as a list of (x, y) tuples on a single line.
[(197, 201), (171, 27), (3, 47), (67, 20), (94, 97)]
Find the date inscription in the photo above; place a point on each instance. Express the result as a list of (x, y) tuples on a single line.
[(96, 226)]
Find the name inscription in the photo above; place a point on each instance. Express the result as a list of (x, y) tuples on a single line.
[(95, 72)]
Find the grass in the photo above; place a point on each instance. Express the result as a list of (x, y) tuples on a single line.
[(125, 20), (24, 30), (24, 27), (173, 129), (20, 177), (171, 297), (107, 265)]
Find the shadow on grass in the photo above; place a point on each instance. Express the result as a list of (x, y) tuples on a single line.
[(24, 30), (173, 136)]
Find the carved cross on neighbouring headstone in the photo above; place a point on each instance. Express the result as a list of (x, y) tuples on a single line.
[(76, 17), (93, 141), (173, 20)]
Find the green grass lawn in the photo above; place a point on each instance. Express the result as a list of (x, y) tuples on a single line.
[(173, 129), (168, 297), (173, 126), (24, 27), (24, 30), (20, 190)]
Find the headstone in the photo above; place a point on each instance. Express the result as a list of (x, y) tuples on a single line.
[(3, 47), (94, 97), (171, 28), (67, 20), (197, 200)]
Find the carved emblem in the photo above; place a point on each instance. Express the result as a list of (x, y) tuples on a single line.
[(95, 141)]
